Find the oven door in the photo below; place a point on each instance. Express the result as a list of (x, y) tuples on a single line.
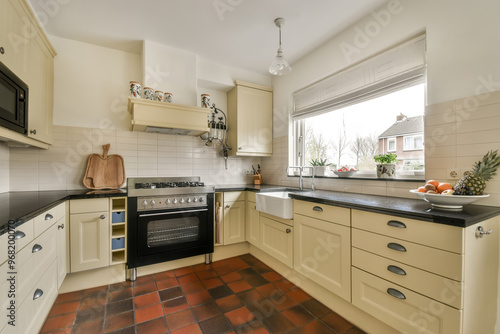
[(181, 231)]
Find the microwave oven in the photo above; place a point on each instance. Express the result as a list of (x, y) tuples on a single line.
[(13, 101)]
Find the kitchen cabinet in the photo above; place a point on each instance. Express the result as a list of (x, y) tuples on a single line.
[(89, 234), (252, 227), (234, 217), (419, 276), (276, 236), (250, 120), (322, 245), (118, 230)]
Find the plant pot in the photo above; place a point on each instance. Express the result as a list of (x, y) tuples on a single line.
[(386, 171), (322, 170)]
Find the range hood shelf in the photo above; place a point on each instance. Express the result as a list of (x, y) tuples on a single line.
[(168, 118)]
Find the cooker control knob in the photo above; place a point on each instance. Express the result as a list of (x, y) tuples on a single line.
[(153, 202), (167, 201), (175, 201), (183, 200), (145, 203), (201, 199), (189, 200), (195, 199)]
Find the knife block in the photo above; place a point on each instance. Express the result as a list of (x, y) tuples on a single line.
[(257, 179)]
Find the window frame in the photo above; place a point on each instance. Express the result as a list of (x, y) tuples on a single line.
[(414, 136), (392, 140)]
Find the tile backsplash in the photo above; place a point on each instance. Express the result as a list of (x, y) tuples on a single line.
[(62, 166)]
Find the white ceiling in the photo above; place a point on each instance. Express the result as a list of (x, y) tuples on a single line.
[(236, 33)]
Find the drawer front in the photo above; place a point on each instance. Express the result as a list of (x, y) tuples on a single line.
[(34, 260), (288, 222), (250, 196), (325, 212), (25, 233), (413, 314), (449, 238), (88, 205), (430, 259), (45, 220), (436, 287)]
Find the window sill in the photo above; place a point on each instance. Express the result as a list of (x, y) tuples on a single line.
[(367, 178)]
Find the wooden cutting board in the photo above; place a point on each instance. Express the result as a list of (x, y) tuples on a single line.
[(104, 172)]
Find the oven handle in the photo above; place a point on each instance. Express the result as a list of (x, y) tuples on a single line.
[(170, 213)]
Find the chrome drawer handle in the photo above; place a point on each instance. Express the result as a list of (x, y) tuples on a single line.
[(19, 235), (36, 248), (395, 293), (396, 270), (318, 208), (48, 216), (396, 223), (396, 247), (38, 293), (480, 232)]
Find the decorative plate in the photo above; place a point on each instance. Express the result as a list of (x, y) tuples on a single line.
[(447, 201), (344, 174)]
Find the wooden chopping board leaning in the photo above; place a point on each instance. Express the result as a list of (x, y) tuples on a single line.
[(104, 172)]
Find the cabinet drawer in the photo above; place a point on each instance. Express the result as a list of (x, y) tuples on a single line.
[(329, 213), (34, 260), (440, 236), (25, 233), (250, 196), (436, 287), (45, 220), (233, 196), (88, 205), (413, 314), (430, 259)]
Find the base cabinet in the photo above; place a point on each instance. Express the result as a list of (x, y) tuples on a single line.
[(234, 217), (277, 239), (252, 225)]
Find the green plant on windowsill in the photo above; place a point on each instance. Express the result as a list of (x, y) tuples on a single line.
[(389, 158), (319, 162)]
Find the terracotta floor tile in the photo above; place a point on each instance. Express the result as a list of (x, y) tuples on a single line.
[(231, 277), (268, 290), (164, 275), (262, 268), (250, 296), (212, 282), (199, 298), (174, 305), (116, 296), (317, 327), (239, 316), (102, 289), (272, 276), (237, 263), (146, 300), (201, 267), (192, 287), (254, 327), (90, 314), (215, 325), (171, 293), (66, 297), (193, 329), (63, 308), (180, 319), (220, 292), (283, 301), (120, 286), (148, 313), (239, 286), (205, 274), (94, 326), (188, 278), (262, 309), (119, 307), (183, 271), (337, 323), (206, 311), (245, 273), (277, 323), (126, 330), (284, 285), (229, 303), (144, 289), (298, 295), (144, 279), (223, 269), (167, 283), (299, 316), (119, 321), (155, 326), (256, 280), (316, 308), (63, 331), (59, 322)]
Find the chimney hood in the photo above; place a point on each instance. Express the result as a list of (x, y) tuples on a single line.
[(167, 118)]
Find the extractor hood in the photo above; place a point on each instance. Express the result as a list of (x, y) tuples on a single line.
[(167, 118)]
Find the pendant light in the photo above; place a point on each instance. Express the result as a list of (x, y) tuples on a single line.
[(279, 65)]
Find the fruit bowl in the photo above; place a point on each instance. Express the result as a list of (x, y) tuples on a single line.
[(348, 173), (447, 201)]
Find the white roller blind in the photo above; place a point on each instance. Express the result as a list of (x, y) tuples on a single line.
[(403, 65)]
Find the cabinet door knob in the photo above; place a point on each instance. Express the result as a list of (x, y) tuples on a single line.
[(36, 248), (480, 232), (60, 227), (48, 216), (318, 208), (33, 132), (396, 223), (19, 235), (288, 230), (396, 270), (396, 247), (103, 217), (2, 50), (395, 293), (227, 206), (38, 293)]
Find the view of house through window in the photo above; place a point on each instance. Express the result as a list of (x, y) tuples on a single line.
[(351, 136)]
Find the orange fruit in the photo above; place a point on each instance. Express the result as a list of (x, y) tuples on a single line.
[(444, 186), (421, 190), (433, 182)]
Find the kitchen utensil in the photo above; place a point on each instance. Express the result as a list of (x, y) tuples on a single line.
[(104, 172)]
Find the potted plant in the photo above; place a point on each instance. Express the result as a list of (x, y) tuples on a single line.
[(386, 165), (321, 167)]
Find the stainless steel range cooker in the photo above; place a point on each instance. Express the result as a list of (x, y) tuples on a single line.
[(169, 218)]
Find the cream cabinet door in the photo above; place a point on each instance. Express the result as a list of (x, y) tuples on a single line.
[(277, 240), (61, 250), (252, 225), (89, 237), (323, 254), (41, 82), (234, 222)]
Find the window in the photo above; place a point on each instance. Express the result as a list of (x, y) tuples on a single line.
[(413, 143), (391, 145)]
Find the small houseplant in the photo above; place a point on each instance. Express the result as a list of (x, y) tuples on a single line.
[(321, 166), (386, 165)]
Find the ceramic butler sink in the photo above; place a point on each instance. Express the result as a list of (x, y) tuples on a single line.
[(275, 203)]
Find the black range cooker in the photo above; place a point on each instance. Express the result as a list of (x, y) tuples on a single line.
[(169, 218)]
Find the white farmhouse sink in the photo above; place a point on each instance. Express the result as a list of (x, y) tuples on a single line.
[(275, 203)]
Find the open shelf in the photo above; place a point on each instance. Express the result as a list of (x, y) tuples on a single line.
[(118, 256), (118, 231), (118, 204)]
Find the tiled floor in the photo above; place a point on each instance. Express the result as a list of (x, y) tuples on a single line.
[(236, 295)]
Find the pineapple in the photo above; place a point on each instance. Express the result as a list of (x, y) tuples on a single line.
[(475, 182)]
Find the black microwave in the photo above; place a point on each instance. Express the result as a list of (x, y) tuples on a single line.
[(13, 101)]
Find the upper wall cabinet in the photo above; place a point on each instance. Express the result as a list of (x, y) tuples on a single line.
[(250, 120), (26, 51)]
